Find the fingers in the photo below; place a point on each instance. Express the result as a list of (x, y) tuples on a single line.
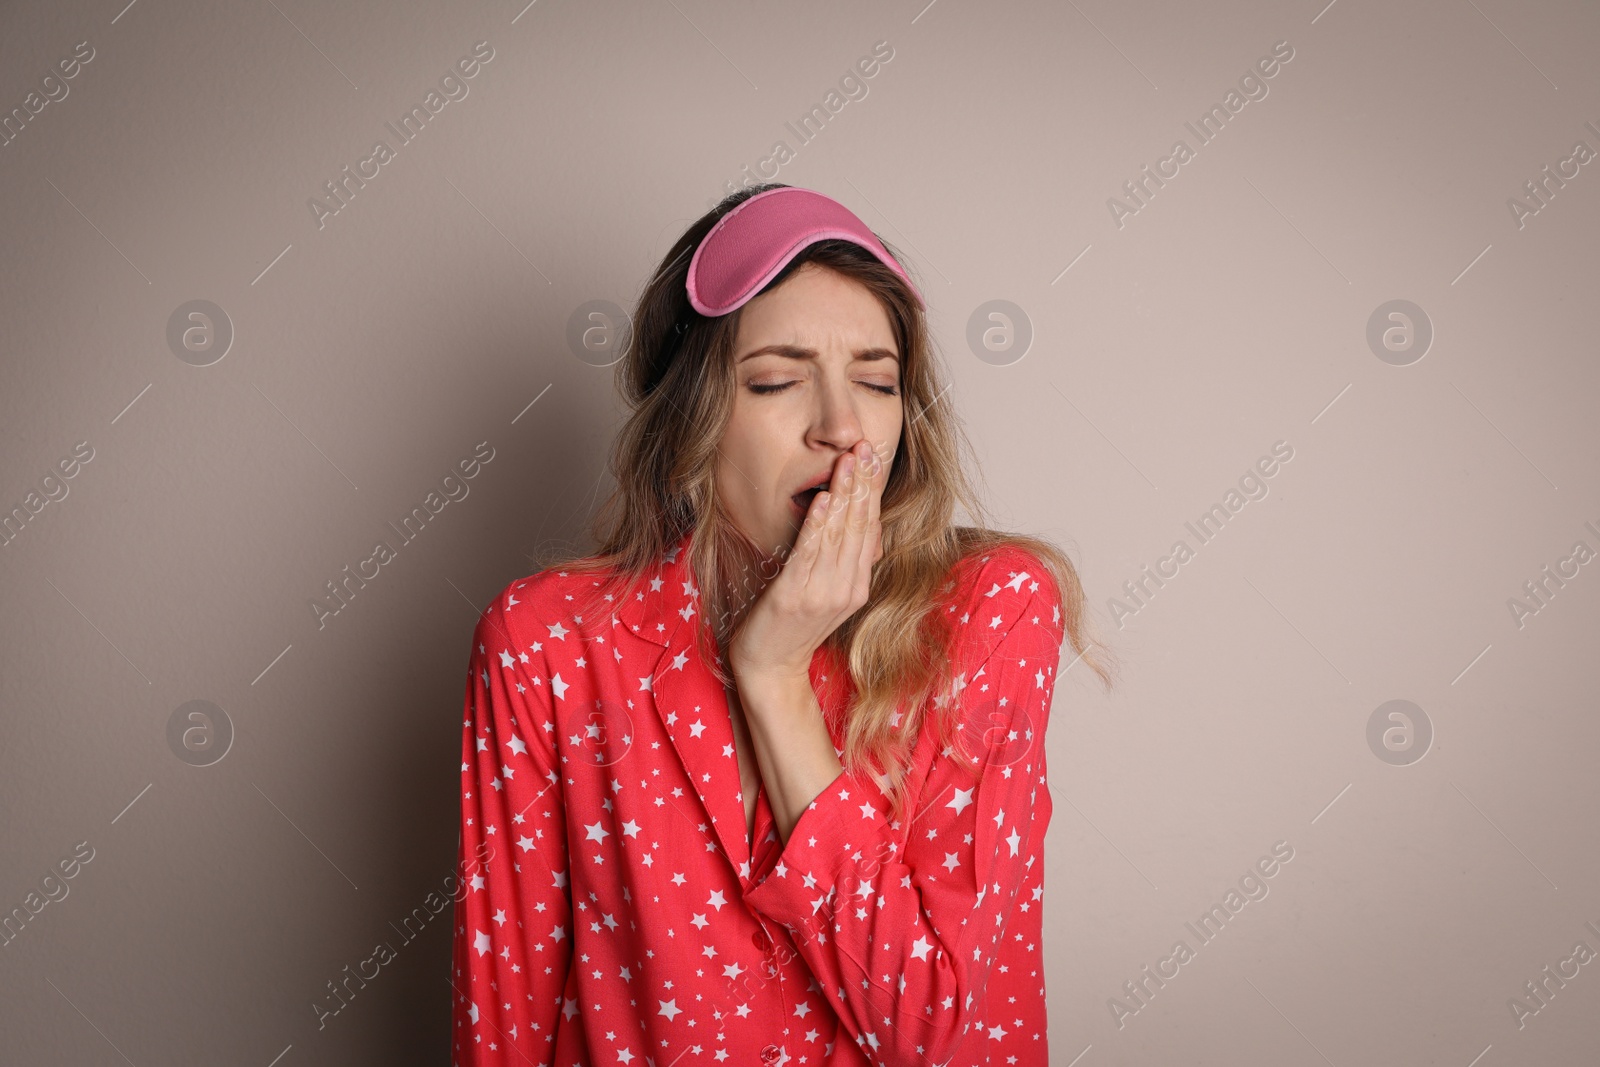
[(878, 468), (858, 520), (808, 545), (848, 546), (839, 540), (858, 517)]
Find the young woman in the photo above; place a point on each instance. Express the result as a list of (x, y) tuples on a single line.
[(764, 777)]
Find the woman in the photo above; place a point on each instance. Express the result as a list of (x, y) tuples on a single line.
[(794, 814)]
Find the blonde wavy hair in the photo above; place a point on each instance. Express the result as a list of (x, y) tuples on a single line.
[(677, 376)]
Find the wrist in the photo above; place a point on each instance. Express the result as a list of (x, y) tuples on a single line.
[(746, 672), (775, 684)]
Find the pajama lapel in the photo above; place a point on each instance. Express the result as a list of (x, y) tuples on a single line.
[(691, 703)]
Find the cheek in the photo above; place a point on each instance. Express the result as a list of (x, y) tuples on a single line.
[(739, 442), (889, 430), (739, 463), (756, 449)]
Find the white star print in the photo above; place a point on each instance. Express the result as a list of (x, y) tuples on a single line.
[(855, 884)]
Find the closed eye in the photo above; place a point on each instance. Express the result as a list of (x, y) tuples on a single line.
[(886, 390)]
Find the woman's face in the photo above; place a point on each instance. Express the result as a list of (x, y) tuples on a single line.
[(816, 370)]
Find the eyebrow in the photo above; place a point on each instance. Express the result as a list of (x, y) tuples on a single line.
[(798, 352)]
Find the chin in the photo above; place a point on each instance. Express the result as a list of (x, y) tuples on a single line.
[(782, 542), (770, 538)]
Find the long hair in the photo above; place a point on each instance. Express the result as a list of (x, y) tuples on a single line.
[(677, 376)]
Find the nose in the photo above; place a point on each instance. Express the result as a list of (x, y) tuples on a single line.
[(836, 421)]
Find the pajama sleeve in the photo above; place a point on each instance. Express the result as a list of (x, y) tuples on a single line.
[(901, 941), (512, 941)]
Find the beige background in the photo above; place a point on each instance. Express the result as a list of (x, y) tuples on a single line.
[(372, 354)]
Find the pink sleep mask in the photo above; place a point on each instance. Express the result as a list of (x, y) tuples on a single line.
[(751, 244)]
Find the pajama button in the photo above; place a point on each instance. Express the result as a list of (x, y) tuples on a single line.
[(770, 1054), (760, 940)]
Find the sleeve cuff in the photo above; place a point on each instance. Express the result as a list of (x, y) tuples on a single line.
[(844, 828)]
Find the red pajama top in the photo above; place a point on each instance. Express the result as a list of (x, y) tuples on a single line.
[(612, 908)]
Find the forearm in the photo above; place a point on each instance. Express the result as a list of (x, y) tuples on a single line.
[(792, 744)]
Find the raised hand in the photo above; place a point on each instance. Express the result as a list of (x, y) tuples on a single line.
[(826, 577)]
